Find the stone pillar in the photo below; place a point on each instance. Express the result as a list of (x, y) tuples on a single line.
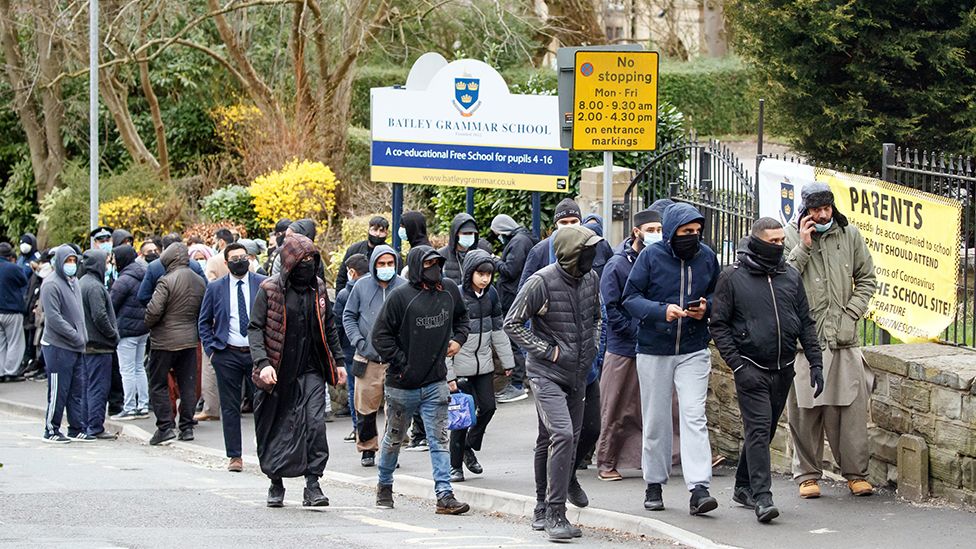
[(913, 468), (591, 198)]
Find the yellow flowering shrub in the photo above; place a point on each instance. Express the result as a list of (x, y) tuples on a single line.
[(300, 189), (141, 216), (235, 123)]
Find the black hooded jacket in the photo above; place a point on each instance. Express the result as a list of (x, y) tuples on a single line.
[(416, 324), (130, 312), (510, 268), (416, 227), (759, 313), (100, 323), (455, 259)]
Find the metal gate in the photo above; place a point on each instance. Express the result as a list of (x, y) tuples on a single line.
[(706, 175)]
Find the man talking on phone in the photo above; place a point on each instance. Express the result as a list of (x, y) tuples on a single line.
[(669, 291)]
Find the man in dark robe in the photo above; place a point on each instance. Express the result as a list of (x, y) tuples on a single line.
[(295, 349)]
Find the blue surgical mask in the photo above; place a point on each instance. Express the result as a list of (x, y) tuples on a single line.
[(466, 240), (385, 274), (70, 269), (202, 263), (402, 233), (109, 273), (822, 228), (105, 247), (651, 238)]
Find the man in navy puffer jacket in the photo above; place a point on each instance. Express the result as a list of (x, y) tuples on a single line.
[(131, 316)]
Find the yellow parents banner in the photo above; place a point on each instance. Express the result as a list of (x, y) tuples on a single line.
[(914, 240)]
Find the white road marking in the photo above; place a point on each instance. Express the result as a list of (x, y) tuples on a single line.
[(823, 531)]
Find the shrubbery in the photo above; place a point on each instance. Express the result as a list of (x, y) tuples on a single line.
[(232, 203), (300, 189)]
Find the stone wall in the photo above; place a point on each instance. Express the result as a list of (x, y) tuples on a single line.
[(925, 390)]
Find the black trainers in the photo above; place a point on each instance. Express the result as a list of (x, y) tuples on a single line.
[(276, 495), (457, 474), (417, 445), (539, 516), (448, 505), (56, 438), (653, 500), (351, 437), (471, 462), (765, 510), (743, 496), (369, 458), (162, 437), (557, 527), (384, 496), (82, 437), (575, 494), (313, 497), (105, 435), (701, 501), (186, 435)]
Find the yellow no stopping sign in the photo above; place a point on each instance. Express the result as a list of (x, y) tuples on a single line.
[(615, 101)]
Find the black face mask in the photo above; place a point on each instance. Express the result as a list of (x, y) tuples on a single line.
[(431, 275), (280, 239), (239, 267), (686, 246), (303, 274), (151, 257), (375, 241), (768, 255), (585, 261)]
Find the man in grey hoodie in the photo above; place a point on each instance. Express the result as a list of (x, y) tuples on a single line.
[(103, 337), (63, 343), (364, 304)]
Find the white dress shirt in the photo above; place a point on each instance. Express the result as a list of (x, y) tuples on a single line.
[(235, 337)]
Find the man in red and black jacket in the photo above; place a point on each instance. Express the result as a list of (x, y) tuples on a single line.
[(295, 349)]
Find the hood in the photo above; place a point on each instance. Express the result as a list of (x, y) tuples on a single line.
[(62, 253), (95, 263), (660, 205), (459, 220), (569, 242), (416, 226), (207, 251), (679, 214), (30, 239), (415, 262), (125, 255), (304, 227), (250, 246), (174, 257), (594, 223), (295, 248), (382, 249), (472, 260), (119, 236), (504, 224)]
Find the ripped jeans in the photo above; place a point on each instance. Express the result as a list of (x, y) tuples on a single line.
[(401, 404)]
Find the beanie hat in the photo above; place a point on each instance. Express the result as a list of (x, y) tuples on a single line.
[(567, 207)]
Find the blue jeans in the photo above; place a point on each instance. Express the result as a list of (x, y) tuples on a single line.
[(401, 404), (132, 367)]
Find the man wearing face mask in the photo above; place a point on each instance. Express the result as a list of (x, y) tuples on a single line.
[(224, 316), (101, 238), (760, 311), (148, 252), (567, 214), (216, 265), (838, 274), (562, 301), (669, 293), (620, 415), (463, 238), (379, 231), (358, 317), (27, 253), (155, 270), (278, 237)]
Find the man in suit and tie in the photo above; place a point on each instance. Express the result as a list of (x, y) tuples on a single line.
[(224, 315)]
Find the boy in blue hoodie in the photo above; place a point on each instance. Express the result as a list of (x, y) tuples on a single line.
[(669, 292)]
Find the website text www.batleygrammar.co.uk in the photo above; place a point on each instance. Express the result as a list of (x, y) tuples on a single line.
[(468, 181)]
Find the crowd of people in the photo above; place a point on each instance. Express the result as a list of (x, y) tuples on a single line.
[(613, 343)]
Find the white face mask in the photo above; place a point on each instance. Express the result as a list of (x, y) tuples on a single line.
[(651, 238), (466, 240), (25, 248), (45, 270), (202, 263)]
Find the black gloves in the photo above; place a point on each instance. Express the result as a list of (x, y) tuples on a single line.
[(816, 380)]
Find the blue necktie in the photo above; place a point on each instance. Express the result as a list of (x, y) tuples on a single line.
[(241, 308)]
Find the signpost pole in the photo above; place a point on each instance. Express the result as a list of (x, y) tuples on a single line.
[(607, 195), (536, 214), (93, 114), (397, 215), (469, 200)]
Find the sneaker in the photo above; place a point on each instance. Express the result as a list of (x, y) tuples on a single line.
[(276, 495), (105, 435), (384, 496), (765, 510), (809, 489), (186, 435), (539, 516), (575, 494), (142, 413), (860, 487), (743, 496), (125, 416), (511, 394), (653, 501), (471, 462), (457, 474), (83, 437), (236, 465), (701, 501), (609, 476), (351, 437), (56, 438), (162, 437), (557, 527), (329, 417), (448, 505), (419, 445), (369, 458), (313, 497)]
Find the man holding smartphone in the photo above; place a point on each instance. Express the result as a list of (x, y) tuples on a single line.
[(668, 292)]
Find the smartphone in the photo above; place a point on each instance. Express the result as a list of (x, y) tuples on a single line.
[(696, 305)]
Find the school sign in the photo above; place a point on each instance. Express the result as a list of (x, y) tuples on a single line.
[(462, 127)]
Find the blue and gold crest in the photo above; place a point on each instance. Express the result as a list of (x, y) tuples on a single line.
[(787, 201), (466, 95)]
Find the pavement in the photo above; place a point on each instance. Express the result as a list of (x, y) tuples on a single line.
[(837, 519)]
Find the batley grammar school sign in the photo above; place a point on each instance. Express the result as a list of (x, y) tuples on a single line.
[(466, 129)]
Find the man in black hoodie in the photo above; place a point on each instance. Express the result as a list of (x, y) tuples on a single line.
[(464, 237), (420, 324), (413, 229), (379, 230), (103, 338)]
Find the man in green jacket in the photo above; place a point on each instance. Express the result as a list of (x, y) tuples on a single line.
[(838, 275)]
